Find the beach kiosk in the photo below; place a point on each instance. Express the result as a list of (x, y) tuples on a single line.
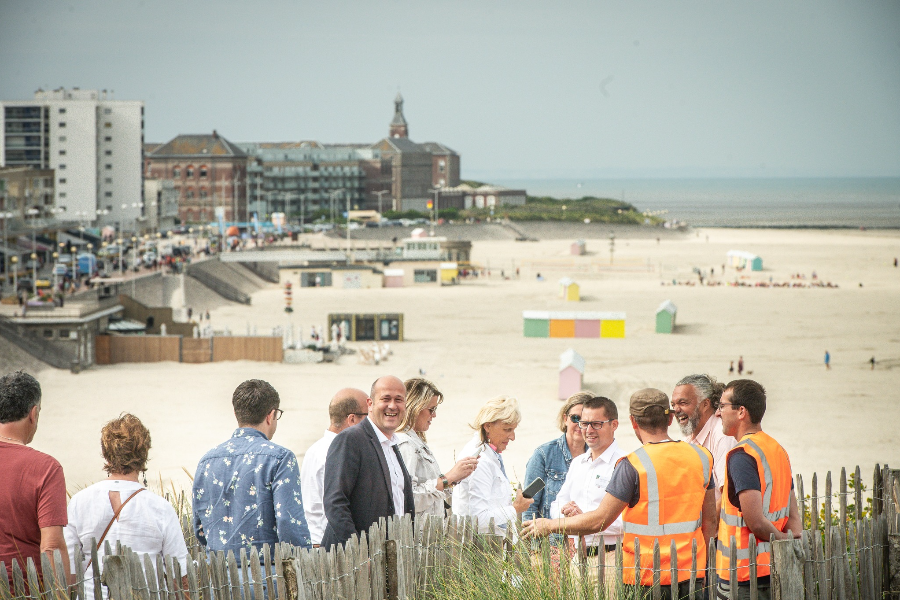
[(393, 278), (571, 373), (569, 290), (578, 248), (369, 327), (665, 317), (449, 273), (744, 260)]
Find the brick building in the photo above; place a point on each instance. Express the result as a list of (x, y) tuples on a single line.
[(207, 172)]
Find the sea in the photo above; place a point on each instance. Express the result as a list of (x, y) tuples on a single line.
[(872, 203)]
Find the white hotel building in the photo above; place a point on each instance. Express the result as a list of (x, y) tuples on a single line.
[(94, 145)]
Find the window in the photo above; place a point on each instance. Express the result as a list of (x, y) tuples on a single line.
[(62, 194), (64, 333), (189, 194), (62, 138), (61, 167), (62, 152), (107, 138), (108, 180), (108, 167), (107, 125), (62, 123), (202, 171), (62, 111), (107, 111), (62, 179), (425, 276), (203, 193), (108, 153), (190, 171), (176, 172), (107, 194), (48, 333)]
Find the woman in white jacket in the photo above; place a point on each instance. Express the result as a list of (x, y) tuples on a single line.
[(487, 493), (431, 486)]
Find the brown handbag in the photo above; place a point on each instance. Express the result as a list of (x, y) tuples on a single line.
[(114, 517)]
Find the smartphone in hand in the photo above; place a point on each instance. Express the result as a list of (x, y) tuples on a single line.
[(533, 488)]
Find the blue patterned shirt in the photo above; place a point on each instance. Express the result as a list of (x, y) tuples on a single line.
[(247, 493)]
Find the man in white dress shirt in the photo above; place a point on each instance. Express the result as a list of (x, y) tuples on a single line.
[(347, 408), (695, 400), (588, 476)]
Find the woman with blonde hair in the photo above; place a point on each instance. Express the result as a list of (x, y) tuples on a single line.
[(431, 487), (487, 494), (551, 460), (119, 509)]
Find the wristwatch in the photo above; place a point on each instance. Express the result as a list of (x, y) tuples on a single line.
[(446, 483)]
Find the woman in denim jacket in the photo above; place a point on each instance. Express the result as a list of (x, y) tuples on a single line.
[(551, 461)]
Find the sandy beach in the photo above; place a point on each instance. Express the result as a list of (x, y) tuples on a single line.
[(468, 339)]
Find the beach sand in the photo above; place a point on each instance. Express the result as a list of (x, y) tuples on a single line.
[(468, 339)]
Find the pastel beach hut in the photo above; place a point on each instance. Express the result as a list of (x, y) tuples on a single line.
[(665, 317), (571, 373), (536, 323), (744, 260), (578, 248), (569, 290), (449, 273), (393, 278)]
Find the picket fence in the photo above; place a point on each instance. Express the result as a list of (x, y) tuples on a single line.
[(849, 554)]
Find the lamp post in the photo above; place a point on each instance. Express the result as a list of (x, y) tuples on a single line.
[(74, 251), (120, 241), (33, 212), (380, 193), (15, 263), (434, 208), (6, 217), (55, 275)]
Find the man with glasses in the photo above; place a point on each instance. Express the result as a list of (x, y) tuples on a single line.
[(347, 408), (759, 497), (246, 491), (664, 492), (588, 476)]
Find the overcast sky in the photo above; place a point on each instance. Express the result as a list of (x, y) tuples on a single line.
[(628, 88)]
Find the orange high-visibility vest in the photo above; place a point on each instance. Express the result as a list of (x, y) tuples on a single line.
[(673, 480), (775, 479)]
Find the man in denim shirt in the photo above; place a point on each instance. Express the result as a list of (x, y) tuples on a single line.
[(247, 490)]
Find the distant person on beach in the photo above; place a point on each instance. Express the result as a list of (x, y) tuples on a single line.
[(116, 510), (756, 468), (33, 492), (695, 401), (872, 362), (664, 491), (365, 478), (431, 487), (731, 367), (247, 490), (485, 495), (552, 459), (740, 365), (827, 361), (347, 408)]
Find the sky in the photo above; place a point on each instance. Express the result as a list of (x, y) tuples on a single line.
[(571, 89)]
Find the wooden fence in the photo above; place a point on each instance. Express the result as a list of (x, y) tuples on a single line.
[(113, 349), (850, 554)]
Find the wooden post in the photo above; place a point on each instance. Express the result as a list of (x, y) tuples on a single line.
[(711, 572), (754, 584), (858, 491), (5, 592), (391, 591), (18, 580), (732, 570), (814, 503), (787, 570), (692, 586), (827, 519), (877, 492), (114, 577), (843, 496), (673, 569), (801, 497), (809, 573)]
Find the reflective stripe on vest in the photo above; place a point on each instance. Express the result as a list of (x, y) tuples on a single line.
[(731, 521), (654, 527)]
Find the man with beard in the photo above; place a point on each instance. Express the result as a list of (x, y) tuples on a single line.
[(695, 400)]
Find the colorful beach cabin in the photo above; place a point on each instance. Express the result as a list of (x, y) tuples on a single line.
[(559, 324), (665, 317), (569, 290), (578, 248), (449, 273), (393, 278), (744, 260), (571, 373)]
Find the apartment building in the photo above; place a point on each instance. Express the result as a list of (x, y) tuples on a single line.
[(93, 144)]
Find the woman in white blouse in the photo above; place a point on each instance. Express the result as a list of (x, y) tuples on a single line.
[(146, 523), (488, 493), (431, 487)]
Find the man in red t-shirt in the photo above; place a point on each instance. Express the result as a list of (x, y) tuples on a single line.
[(33, 490)]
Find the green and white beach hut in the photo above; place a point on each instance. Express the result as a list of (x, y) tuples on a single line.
[(665, 317), (744, 260)]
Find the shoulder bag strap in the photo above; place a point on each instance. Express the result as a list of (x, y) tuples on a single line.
[(114, 517)]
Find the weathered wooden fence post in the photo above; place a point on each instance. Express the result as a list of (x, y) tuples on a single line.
[(787, 569), (391, 576)]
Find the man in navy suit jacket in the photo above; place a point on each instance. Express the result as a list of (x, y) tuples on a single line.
[(365, 478)]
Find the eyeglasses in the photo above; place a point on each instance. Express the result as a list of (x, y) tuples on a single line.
[(574, 418), (365, 414), (595, 425), (278, 414), (734, 406), (433, 411)]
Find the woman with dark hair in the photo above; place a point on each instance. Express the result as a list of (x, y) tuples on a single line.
[(120, 509)]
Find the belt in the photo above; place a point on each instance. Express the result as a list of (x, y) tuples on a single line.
[(595, 550)]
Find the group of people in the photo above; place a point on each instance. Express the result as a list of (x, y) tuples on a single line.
[(726, 479)]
